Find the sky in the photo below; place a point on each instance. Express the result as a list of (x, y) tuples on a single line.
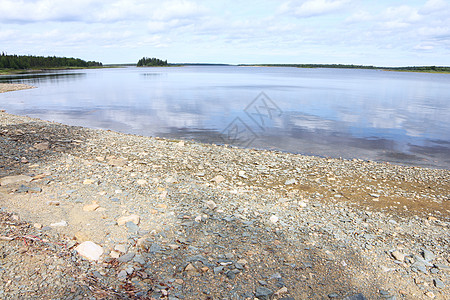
[(380, 33)]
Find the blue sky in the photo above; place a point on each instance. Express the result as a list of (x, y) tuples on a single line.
[(382, 33)]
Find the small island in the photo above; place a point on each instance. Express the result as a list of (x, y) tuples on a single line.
[(152, 62)]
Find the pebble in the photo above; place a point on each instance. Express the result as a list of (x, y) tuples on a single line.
[(438, 283), (291, 181), (90, 250), (428, 255), (59, 224), (211, 205), (53, 203), (218, 179), (131, 218), (355, 297), (398, 256), (263, 293), (190, 268), (121, 248), (126, 257), (273, 219), (91, 207), (141, 182)]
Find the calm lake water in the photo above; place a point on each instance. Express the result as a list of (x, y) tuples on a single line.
[(384, 116)]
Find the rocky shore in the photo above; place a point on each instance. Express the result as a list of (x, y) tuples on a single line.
[(94, 214)]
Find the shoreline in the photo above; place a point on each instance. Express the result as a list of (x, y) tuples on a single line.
[(186, 219), (11, 87)]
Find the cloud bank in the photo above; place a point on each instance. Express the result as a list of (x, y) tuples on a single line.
[(268, 31)]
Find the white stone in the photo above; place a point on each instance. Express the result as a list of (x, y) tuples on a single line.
[(218, 179), (273, 219), (211, 204), (59, 224), (291, 181), (89, 250), (141, 182)]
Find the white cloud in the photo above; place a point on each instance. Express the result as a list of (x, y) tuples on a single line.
[(424, 47), (310, 8), (432, 6)]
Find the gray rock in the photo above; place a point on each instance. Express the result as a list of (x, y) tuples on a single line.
[(122, 275), (217, 270), (355, 297), (333, 295), (428, 255), (154, 248), (438, 283), (132, 228), (139, 259), (442, 267), (419, 261), (262, 282), (263, 293), (127, 257), (419, 268)]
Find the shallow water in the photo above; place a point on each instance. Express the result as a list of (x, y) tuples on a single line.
[(385, 116)]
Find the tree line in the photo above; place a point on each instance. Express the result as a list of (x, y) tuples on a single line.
[(24, 62), (343, 66), (151, 62)]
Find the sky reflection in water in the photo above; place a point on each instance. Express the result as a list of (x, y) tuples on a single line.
[(387, 116)]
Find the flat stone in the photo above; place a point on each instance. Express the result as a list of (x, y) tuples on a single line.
[(59, 224), (211, 204), (15, 179), (398, 256), (121, 248), (89, 250), (91, 207), (126, 257), (88, 181), (428, 255), (442, 267), (131, 218), (190, 268), (141, 182), (133, 228), (273, 219), (355, 297), (139, 259), (438, 283), (263, 293), (114, 254), (41, 146), (218, 179), (290, 181), (119, 162)]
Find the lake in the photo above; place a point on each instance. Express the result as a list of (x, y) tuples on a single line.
[(396, 117)]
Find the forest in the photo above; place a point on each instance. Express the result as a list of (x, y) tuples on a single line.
[(24, 62), (431, 69), (151, 62)]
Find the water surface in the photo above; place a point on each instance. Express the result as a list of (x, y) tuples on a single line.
[(385, 116)]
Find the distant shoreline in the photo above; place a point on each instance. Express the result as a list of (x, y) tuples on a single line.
[(416, 69)]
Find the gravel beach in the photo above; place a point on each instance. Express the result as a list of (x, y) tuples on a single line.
[(95, 214)]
